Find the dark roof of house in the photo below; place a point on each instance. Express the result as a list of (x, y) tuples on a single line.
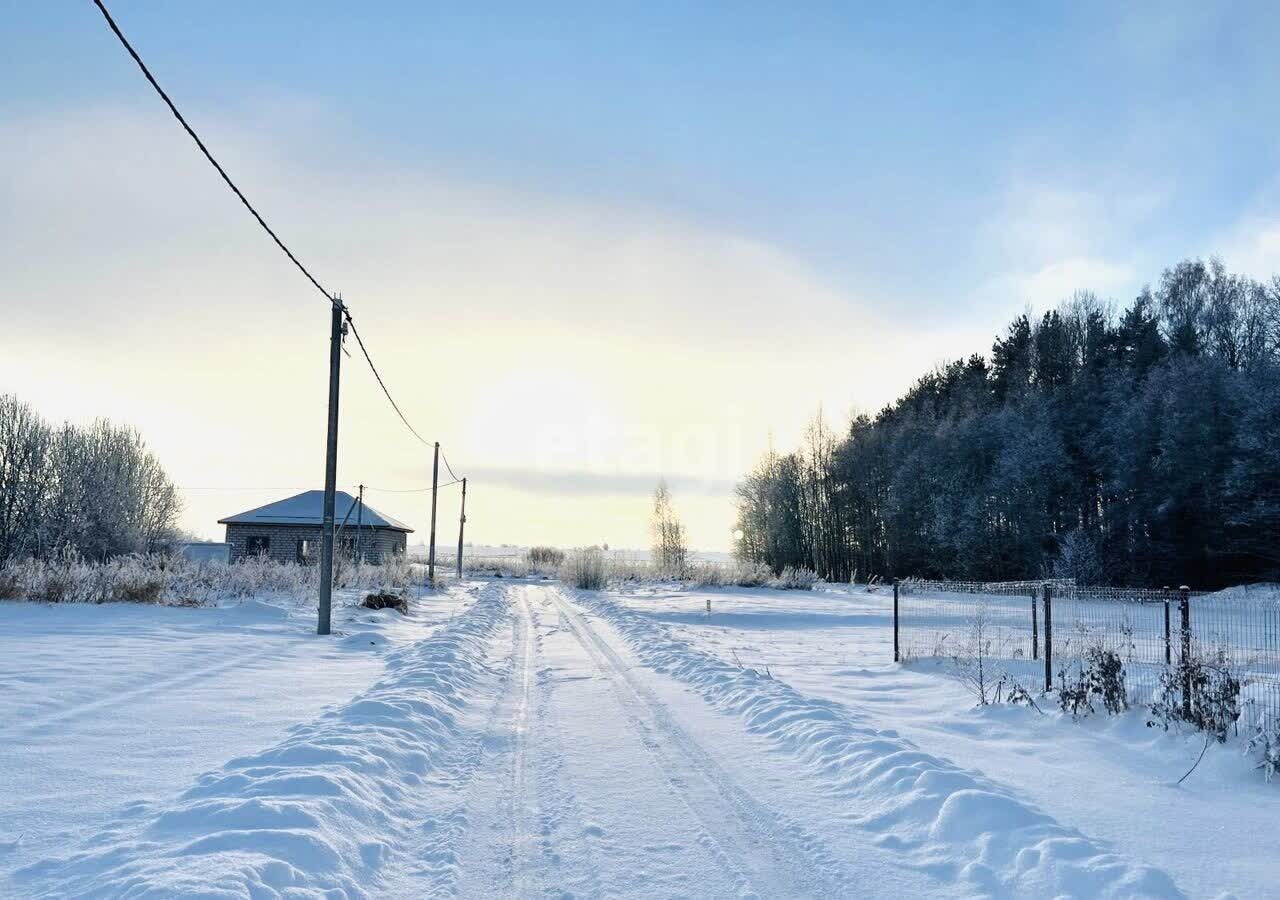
[(307, 508)]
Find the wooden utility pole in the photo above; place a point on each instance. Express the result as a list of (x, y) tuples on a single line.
[(431, 551), (462, 523), (360, 528), (337, 328)]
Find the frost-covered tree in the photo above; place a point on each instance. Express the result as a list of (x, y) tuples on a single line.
[(670, 550), (24, 475), (96, 490), (1147, 433), (1078, 558)]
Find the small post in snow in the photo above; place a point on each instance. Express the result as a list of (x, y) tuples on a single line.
[(897, 652), (1048, 637), (708, 605)]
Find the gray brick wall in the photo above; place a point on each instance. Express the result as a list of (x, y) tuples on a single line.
[(282, 541)]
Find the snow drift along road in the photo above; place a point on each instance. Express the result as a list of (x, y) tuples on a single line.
[(943, 820), (319, 812)]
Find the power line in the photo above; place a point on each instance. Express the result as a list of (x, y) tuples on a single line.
[(421, 490), (205, 150), (447, 466), (381, 383), (383, 490), (260, 220), (232, 488)]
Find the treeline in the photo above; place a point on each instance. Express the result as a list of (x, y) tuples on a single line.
[(96, 491), (1138, 446)]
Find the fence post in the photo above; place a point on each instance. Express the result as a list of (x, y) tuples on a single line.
[(1168, 632), (1048, 638), (1035, 629), (897, 655), (1186, 650)]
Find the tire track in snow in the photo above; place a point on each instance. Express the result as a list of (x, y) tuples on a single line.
[(523, 801), (565, 835), (954, 824), (765, 853), (498, 846)]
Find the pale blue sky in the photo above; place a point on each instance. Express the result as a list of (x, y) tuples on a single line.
[(871, 142), (932, 169)]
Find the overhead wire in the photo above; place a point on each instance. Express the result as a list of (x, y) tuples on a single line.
[(448, 467), (208, 155), (173, 108), (381, 383), (420, 490)]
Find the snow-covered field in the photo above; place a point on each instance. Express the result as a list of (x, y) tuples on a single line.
[(521, 739)]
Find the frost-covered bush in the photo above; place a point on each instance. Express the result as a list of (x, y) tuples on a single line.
[(635, 571), (548, 557), (1266, 743), (795, 579), (10, 585), (704, 574), (738, 574), (66, 578), (748, 574), (1212, 703), (501, 567), (175, 580), (972, 659), (1098, 676), (395, 571), (585, 569), (138, 585)]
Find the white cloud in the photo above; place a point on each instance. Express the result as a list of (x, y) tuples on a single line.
[(1058, 280), (142, 291), (1046, 240), (1252, 248)]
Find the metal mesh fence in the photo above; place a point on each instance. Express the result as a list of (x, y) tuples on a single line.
[(1011, 622)]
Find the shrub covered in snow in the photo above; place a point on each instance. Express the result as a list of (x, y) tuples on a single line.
[(548, 557), (585, 569), (1098, 676), (794, 579), (177, 581), (1266, 743), (1201, 691), (500, 567), (739, 574)]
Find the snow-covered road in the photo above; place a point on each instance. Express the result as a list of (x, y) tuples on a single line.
[(543, 743), (587, 780)]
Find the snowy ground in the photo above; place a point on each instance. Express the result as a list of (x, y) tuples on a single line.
[(518, 739)]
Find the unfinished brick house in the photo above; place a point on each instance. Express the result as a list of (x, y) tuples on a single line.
[(289, 530)]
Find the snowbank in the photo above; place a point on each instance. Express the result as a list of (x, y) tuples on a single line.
[(316, 815), (948, 821)]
